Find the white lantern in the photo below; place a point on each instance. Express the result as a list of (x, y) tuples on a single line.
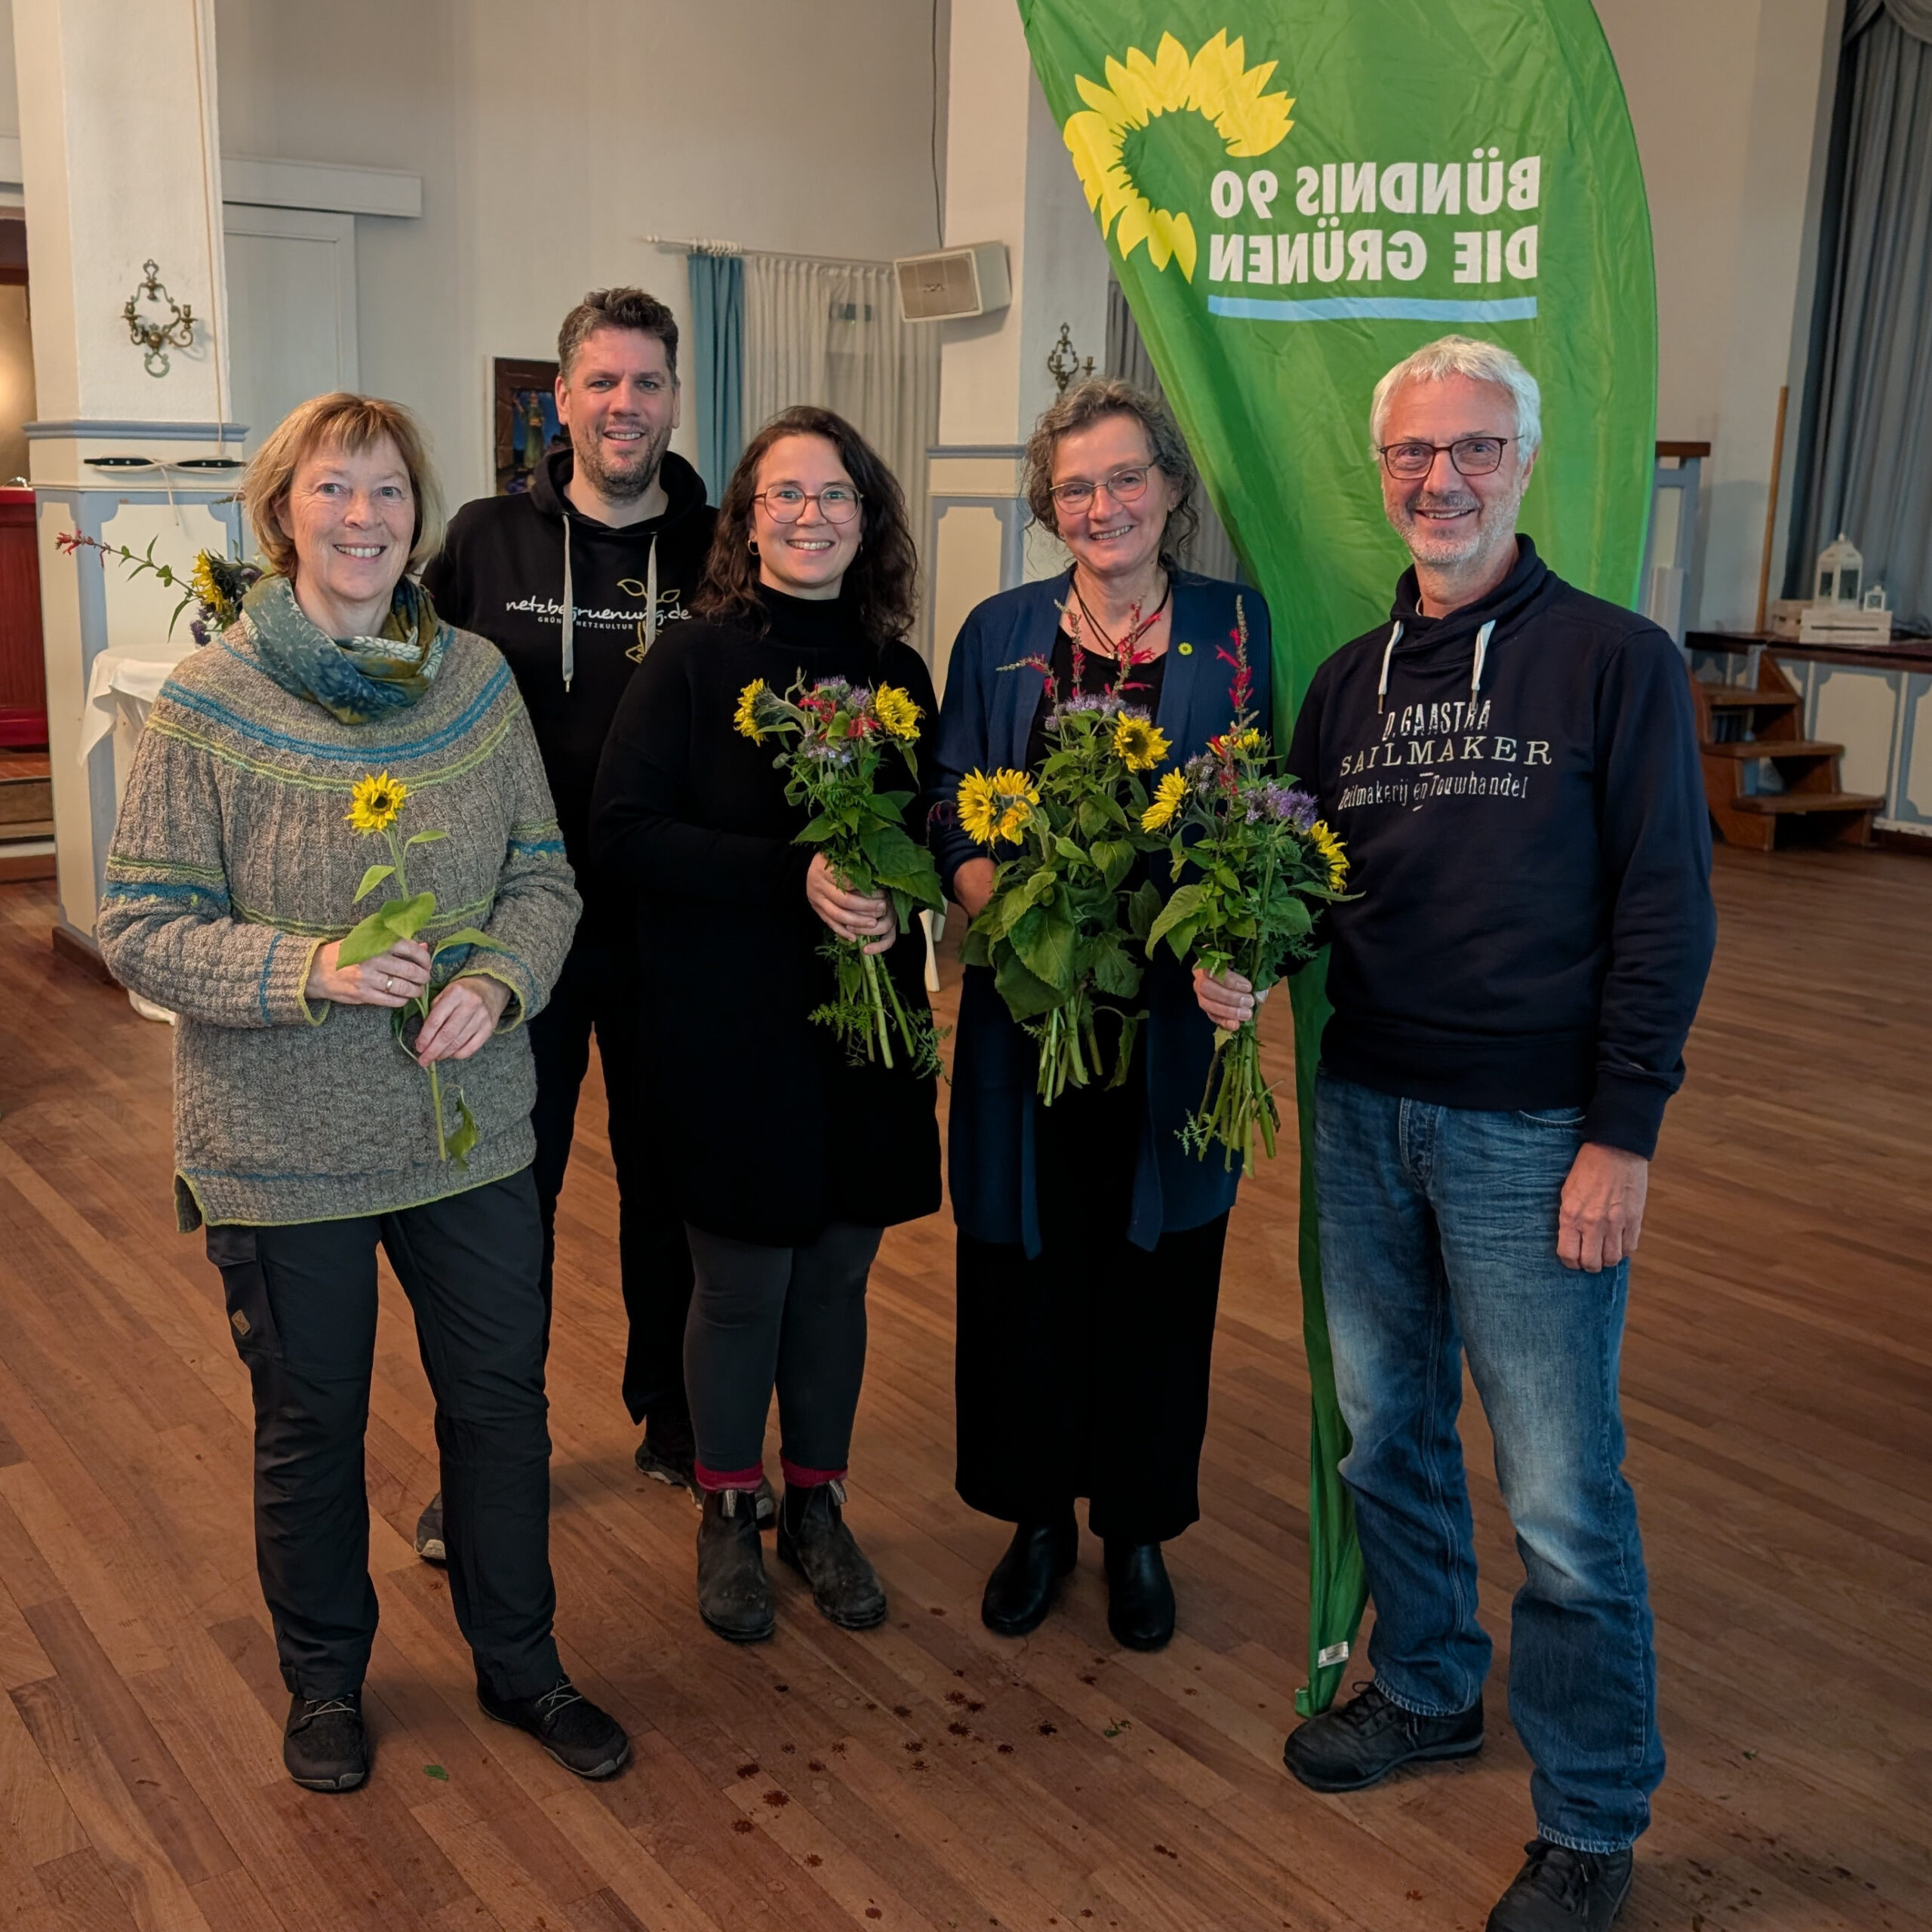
[(1841, 572)]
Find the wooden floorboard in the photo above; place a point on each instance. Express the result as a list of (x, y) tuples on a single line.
[(926, 1776)]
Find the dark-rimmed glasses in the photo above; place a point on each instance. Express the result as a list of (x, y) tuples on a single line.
[(1124, 485), (1472, 456), (785, 502)]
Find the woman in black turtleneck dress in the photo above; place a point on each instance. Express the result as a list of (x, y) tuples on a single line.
[(791, 1162)]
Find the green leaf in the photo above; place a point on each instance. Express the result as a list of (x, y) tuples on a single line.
[(1115, 857), (372, 936), (467, 936), (424, 838), (819, 829), (1115, 973), (406, 917), (436, 1771), (372, 877), (1026, 997), (1185, 909), (1045, 944), (457, 1145)]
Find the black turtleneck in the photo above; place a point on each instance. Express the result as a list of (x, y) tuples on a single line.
[(1517, 786), (690, 825)]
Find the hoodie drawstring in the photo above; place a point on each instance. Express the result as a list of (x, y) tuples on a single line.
[(569, 610), (1381, 689), (651, 595), (1482, 652)]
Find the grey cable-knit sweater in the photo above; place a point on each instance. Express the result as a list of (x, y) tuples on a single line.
[(233, 861)]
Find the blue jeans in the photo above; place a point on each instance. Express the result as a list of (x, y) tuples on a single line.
[(1438, 1239)]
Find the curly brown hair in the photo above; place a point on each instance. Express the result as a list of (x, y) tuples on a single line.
[(883, 581), (1091, 402)]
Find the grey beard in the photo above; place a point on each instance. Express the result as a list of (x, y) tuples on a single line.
[(622, 487)]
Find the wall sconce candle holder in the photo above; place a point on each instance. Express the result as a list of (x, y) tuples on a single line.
[(1063, 362), (156, 338)]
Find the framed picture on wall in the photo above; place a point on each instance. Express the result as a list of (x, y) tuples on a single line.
[(524, 409)]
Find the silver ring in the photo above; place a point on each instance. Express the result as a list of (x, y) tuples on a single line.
[(389, 985)]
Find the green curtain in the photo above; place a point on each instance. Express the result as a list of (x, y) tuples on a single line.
[(1297, 194)]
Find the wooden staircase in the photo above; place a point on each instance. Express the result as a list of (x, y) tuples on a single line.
[(27, 817), (1740, 725)]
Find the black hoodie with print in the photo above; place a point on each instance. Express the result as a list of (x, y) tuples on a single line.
[(1518, 787), (511, 568)]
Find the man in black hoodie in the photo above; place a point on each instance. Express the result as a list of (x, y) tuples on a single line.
[(1513, 767), (572, 581)]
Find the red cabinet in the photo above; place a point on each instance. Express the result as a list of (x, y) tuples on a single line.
[(22, 669)]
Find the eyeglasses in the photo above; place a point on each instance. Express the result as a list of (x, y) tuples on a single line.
[(1473, 455), (1125, 486), (838, 503)]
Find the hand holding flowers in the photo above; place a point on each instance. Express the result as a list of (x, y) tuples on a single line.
[(1264, 862), (869, 876)]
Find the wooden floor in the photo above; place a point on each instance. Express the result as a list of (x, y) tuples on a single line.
[(1779, 1390)]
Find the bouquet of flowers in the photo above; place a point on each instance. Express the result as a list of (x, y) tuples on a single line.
[(215, 586), (839, 735), (1263, 861), (1058, 928), (374, 804)]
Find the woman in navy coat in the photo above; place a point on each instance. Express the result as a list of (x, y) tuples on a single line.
[(1090, 1242)]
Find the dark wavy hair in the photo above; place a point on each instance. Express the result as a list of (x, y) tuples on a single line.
[(883, 580)]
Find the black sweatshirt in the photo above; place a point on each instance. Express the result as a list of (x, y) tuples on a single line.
[(777, 1135), (501, 573), (1531, 849)]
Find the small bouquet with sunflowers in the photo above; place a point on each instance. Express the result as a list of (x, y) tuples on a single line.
[(375, 803), (215, 586), (840, 734), (1063, 919), (1264, 861)]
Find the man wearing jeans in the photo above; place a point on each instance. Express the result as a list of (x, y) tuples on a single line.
[(1513, 767)]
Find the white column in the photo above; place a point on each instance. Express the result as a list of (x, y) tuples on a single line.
[(1009, 179), (120, 164)]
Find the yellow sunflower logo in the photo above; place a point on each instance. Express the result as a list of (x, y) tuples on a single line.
[(1216, 83)]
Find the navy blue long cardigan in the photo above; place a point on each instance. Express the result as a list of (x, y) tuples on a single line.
[(984, 721)]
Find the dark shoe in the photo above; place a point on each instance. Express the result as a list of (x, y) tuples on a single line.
[(733, 1594), (1562, 1890), (1020, 1591), (1140, 1600), (324, 1744), (669, 1452), (580, 1737), (812, 1538), (1359, 1743), (429, 1532)]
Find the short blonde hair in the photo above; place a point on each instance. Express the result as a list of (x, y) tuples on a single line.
[(351, 423)]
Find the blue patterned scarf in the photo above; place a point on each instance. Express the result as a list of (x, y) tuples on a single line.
[(358, 679)]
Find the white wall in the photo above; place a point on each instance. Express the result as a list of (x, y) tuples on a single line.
[(1731, 100), (550, 140)]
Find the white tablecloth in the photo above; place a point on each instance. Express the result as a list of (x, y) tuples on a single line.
[(122, 686)]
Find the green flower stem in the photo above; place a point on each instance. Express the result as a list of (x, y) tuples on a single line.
[(870, 964)]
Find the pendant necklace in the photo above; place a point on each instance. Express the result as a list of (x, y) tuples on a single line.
[(1118, 650)]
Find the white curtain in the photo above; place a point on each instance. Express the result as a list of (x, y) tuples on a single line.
[(829, 333)]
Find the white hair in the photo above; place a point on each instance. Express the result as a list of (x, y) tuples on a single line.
[(1481, 362)]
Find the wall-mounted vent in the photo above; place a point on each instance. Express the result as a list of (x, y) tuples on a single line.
[(940, 288)]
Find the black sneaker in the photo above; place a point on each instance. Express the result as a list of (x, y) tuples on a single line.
[(580, 1737), (1359, 1743), (1562, 1890), (429, 1532), (323, 1743)]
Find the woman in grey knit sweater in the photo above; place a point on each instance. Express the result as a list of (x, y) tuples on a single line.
[(304, 1131)]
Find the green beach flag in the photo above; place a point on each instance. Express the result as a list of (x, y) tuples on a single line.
[(1295, 194)]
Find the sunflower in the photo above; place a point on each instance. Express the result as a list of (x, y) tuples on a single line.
[(996, 805), (1139, 743), (744, 718), (375, 801), (1169, 796), (1217, 83), (1325, 842), (897, 712)]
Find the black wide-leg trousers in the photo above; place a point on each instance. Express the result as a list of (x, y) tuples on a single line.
[(1085, 1370), (302, 1305), (598, 992)]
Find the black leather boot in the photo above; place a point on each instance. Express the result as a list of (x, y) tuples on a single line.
[(734, 1593), (1359, 1743), (1140, 1600), (812, 1538), (1020, 1591)]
